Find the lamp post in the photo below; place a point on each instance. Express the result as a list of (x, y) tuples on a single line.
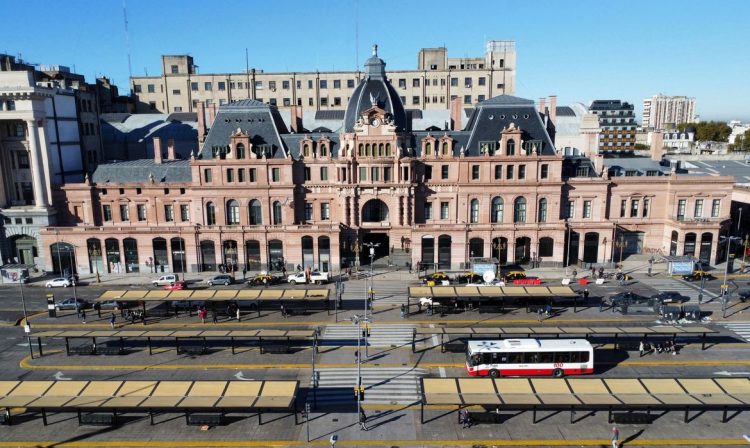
[(499, 246), (745, 243), (567, 262), (27, 326), (370, 292), (59, 262), (725, 286), (357, 320), (357, 248), (620, 244), (604, 242)]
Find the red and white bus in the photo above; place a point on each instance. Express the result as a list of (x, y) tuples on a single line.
[(520, 357)]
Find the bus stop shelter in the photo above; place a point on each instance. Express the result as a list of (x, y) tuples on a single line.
[(491, 295), (589, 394)]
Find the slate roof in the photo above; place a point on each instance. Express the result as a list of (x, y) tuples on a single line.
[(617, 166), (169, 171), (329, 114), (259, 120), (565, 111), (292, 142)]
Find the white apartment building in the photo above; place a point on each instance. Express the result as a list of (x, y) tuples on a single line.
[(663, 112)]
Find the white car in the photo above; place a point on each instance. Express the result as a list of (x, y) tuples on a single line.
[(55, 282), (316, 277)]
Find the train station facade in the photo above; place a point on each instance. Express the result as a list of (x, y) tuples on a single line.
[(260, 194)]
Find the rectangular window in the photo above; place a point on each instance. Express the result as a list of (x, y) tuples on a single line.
[(444, 171), (151, 88), (107, 212), (681, 205), (698, 212), (646, 203), (251, 175), (571, 209), (336, 101), (323, 84), (427, 210), (230, 174), (467, 99), (184, 212), (285, 85), (124, 212), (325, 211), (259, 85), (482, 81), (522, 172), (323, 173), (715, 208), (272, 85), (241, 174), (309, 84), (307, 173), (137, 88), (587, 209), (467, 82), (402, 83), (308, 211), (623, 207), (275, 174), (475, 172), (175, 91), (350, 83), (362, 173), (509, 172), (428, 172), (336, 83), (175, 69), (207, 86), (415, 82), (415, 100), (498, 172), (634, 204), (454, 82), (545, 171), (323, 101), (374, 174), (222, 85), (168, 213), (141, 209), (386, 174), (444, 210)]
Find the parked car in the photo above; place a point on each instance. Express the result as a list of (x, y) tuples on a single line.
[(437, 278), (176, 286), (470, 277), (223, 279), (514, 275), (744, 295), (629, 302), (112, 304), (697, 276), (70, 304), (670, 297), (264, 279), (164, 280), (57, 282), (316, 277)]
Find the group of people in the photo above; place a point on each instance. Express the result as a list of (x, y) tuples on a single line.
[(667, 347), (546, 310)]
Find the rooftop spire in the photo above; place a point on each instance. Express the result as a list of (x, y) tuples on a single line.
[(375, 49)]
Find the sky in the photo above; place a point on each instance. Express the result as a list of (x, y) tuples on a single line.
[(579, 50)]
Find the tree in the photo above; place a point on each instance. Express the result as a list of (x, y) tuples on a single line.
[(742, 142), (712, 131)]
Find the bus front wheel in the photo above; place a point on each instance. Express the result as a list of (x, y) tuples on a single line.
[(494, 373), (558, 373)]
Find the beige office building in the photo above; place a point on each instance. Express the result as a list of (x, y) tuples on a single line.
[(661, 112), (436, 80)]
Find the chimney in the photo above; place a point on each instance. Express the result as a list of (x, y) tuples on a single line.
[(211, 115), (657, 145), (157, 150), (456, 113), (170, 149), (541, 106), (295, 120), (201, 121), (553, 108)]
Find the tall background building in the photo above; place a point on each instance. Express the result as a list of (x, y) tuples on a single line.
[(617, 124), (436, 81), (664, 112)]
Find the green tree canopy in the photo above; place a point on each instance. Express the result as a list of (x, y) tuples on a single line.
[(742, 142), (714, 131)]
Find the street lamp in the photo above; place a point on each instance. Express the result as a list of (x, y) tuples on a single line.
[(370, 293), (620, 244), (604, 242), (357, 249), (499, 246), (27, 326), (745, 243), (725, 286), (567, 262), (357, 320)]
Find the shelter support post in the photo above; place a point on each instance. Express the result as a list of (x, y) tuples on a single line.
[(44, 416), (39, 345), (67, 346)]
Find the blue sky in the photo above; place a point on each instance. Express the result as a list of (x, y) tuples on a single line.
[(580, 50)]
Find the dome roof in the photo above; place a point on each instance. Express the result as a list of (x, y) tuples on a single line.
[(374, 90)]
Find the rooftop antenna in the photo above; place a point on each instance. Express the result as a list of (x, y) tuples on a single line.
[(127, 36)]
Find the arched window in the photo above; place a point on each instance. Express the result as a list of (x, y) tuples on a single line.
[(210, 214), (511, 148), (497, 210), (387, 149), (323, 150), (474, 211), (240, 151), (368, 153), (233, 212), (306, 150), (519, 210), (542, 213), (445, 148), (361, 151), (428, 149), (256, 217), (381, 150), (546, 247), (277, 213)]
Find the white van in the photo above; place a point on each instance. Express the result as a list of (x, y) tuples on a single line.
[(165, 280)]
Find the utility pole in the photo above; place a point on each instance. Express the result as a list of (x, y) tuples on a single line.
[(370, 293)]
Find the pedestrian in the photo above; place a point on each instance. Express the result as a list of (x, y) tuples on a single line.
[(78, 309), (363, 419), (586, 295), (98, 308), (83, 316), (601, 304), (575, 273), (112, 320), (466, 421), (238, 314), (593, 272), (202, 314), (539, 314), (403, 311), (548, 310), (700, 298), (641, 348), (419, 307), (283, 311), (215, 316), (601, 272), (615, 437)]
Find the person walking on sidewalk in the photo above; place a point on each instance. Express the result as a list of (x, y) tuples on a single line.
[(98, 309), (615, 437), (641, 348), (112, 319), (403, 311), (238, 314), (363, 419), (83, 316), (539, 313), (215, 316)]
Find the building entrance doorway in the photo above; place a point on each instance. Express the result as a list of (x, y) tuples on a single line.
[(381, 251)]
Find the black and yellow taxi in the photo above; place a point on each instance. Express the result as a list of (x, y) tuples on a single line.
[(263, 280), (435, 279), (470, 277)]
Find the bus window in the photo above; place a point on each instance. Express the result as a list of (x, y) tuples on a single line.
[(546, 357), (562, 357), (499, 358), (575, 357), (584, 356), (475, 359), (515, 358), (530, 358)]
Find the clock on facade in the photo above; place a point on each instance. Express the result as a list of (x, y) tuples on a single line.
[(375, 122)]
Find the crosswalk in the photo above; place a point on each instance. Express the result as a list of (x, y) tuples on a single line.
[(684, 288), (386, 335), (397, 385), (391, 293), (742, 329)]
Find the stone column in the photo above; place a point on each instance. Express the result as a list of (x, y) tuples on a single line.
[(40, 194)]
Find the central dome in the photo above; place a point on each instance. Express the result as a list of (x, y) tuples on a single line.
[(374, 90)]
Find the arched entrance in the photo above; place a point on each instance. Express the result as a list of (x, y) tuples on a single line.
[(252, 253), (571, 248), (130, 246), (308, 255), (706, 243), (208, 255), (112, 248), (96, 259), (546, 247), (476, 248), (444, 252), (324, 254), (375, 210), (673, 243), (275, 255), (23, 249), (523, 250), (590, 247), (230, 255), (178, 254), (500, 250), (161, 257), (689, 244), (63, 258)]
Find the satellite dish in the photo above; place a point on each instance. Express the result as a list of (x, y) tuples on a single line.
[(488, 276)]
